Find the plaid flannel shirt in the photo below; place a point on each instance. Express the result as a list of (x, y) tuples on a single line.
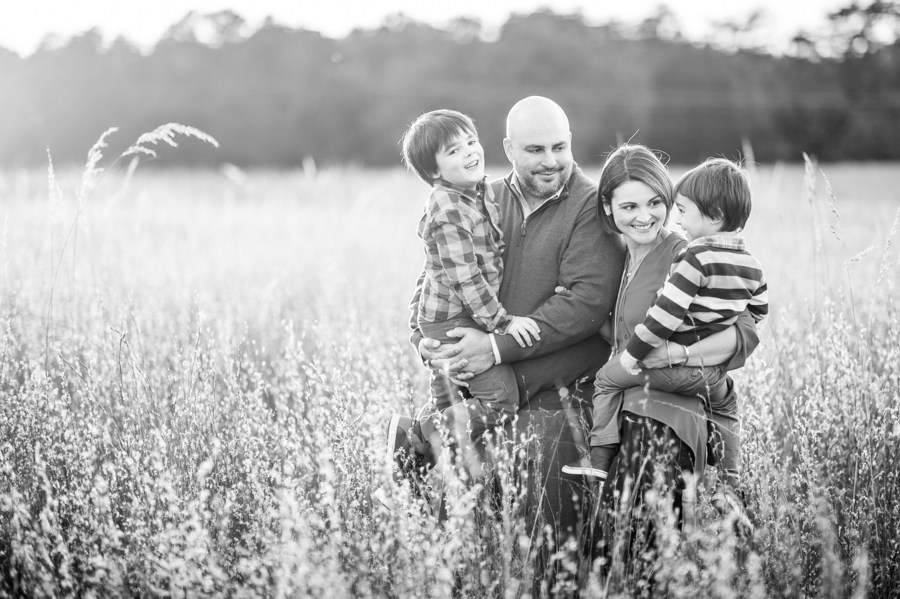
[(463, 258)]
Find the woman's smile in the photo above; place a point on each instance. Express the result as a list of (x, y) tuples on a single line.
[(638, 211)]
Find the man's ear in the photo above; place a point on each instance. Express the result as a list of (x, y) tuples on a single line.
[(507, 147)]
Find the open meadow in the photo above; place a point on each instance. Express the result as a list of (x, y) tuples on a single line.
[(196, 368)]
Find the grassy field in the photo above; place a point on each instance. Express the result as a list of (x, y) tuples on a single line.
[(195, 370)]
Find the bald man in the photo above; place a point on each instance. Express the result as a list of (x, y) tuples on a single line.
[(553, 240)]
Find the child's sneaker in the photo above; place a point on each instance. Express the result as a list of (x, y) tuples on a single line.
[(593, 465), (403, 459), (400, 451), (726, 501)]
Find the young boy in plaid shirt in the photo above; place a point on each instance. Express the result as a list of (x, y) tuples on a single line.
[(458, 285)]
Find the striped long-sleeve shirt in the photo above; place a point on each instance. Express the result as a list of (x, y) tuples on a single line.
[(463, 258), (712, 281)]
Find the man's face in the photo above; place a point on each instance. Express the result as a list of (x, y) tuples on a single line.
[(541, 157)]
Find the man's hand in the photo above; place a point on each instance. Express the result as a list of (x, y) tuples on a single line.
[(431, 350), (475, 354), (462, 360)]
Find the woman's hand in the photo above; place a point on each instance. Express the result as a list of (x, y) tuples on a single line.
[(716, 349), (660, 357)]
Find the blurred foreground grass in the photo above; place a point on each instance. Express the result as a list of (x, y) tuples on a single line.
[(198, 410)]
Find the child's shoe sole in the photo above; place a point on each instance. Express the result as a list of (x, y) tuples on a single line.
[(725, 503), (381, 496), (583, 467)]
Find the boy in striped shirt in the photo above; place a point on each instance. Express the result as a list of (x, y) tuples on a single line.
[(712, 281)]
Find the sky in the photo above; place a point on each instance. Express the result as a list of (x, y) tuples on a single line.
[(24, 23)]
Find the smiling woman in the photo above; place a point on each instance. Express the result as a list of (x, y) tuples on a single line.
[(639, 212), (649, 411), (637, 192)]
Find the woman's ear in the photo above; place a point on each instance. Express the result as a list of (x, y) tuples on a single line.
[(606, 209)]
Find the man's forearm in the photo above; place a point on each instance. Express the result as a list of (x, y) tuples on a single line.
[(576, 327), (589, 270)]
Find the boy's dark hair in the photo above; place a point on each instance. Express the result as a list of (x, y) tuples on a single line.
[(632, 162), (428, 135), (721, 189)]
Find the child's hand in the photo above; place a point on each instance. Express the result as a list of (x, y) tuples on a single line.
[(524, 330), (629, 363)]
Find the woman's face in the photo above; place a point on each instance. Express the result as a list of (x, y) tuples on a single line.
[(638, 211)]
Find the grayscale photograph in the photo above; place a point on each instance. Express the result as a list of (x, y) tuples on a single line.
[(473, 300)]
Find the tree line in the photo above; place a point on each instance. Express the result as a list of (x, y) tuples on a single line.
[(280, 95)]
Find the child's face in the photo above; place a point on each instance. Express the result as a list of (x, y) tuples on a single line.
[(462, 161), (694, 223)]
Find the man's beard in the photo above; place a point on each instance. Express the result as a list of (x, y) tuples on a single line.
[(543, 190)]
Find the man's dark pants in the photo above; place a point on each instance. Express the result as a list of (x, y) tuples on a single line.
[(557, 507)]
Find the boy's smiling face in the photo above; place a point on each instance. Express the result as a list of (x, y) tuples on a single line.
[(461, 162), (695, 223)]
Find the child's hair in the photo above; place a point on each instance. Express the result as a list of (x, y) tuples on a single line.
[(632, 162), (428, 135), (721, 189)]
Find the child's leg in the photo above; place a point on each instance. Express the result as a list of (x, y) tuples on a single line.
[(495, 400), (425, 433), (605, 437), (610, 380), (686, 380), (710, 382), (470, 422), (607, 404), (726, 437)]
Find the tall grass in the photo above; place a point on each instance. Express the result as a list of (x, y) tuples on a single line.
[(195, 370)]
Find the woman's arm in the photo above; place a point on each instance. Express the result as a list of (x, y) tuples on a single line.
[(731, 347)]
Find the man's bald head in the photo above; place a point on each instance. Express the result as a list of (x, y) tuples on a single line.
[(539, 146), (535, 112)]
